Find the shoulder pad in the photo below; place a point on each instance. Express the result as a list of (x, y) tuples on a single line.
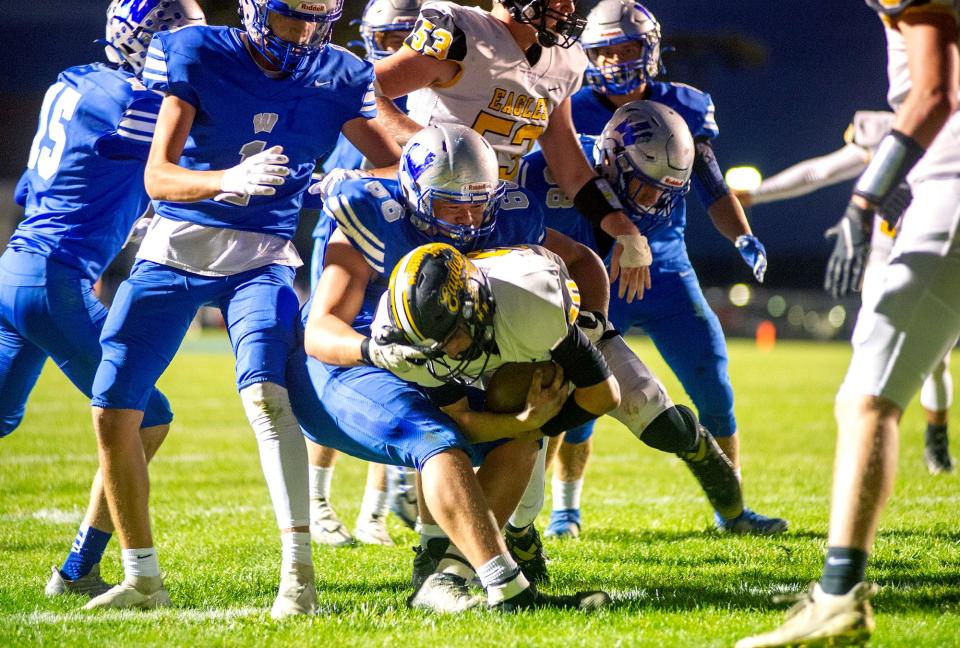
[(437, 34)]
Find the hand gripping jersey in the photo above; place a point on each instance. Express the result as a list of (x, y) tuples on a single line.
[(942, 158), (497, 92), (536, 304), (83, 187), (666, 242), (591, 110), (241, 111), (372, 214)]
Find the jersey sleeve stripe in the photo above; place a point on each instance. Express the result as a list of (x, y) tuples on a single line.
[(139, 137), (143, 114), (154, 77), (335, 208), (138, 125)]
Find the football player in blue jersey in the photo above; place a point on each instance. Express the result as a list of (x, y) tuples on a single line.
[(647, 154), (246, 114), (82, 191), (345, 396), (383, 27), (622, 42)]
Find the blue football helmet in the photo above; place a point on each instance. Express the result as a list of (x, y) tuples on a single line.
[(612, 22), (132, 23), (288, 55), (456, 164), (382, 16), (564, 33), (646, 144)]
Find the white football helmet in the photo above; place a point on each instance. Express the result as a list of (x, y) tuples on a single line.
[(132, 23), (612, 22), (454, 163), (288, 55), (381, 16), (646, 144)]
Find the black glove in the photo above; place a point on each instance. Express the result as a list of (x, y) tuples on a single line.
[(850, 251)]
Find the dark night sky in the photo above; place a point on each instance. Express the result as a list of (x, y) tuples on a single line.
[(815, 63)]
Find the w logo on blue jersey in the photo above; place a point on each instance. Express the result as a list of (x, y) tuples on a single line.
[(264, 122)]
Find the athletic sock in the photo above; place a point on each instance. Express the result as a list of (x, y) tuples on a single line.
[(566, 495), (87, 550), (429, 532), (140, 562), (375, 503), (320, 482), (454, 562), (843, 568), (502, 579), (295, 548)]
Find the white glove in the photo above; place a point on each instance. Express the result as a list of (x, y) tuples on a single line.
[(258, 175), (636, 251), (332, 179), (397, 358)]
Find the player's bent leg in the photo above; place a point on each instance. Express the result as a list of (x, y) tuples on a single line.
[(20, 365), (371, 525), (567, 483), (326, 529), (402, 489)]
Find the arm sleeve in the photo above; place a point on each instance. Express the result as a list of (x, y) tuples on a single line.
[(167, 72), (708, 179), (808, 176), (582, 362), (132, 138), (368, 109)]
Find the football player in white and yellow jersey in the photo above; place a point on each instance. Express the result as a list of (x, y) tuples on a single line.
[(509, 74), (906, 326), (861, 140)]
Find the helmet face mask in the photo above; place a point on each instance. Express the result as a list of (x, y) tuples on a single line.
[(132, 23), (434, 293), (452, 163), (645, 148), (289, 32), (383, 18), (554, 28), (614, 24)]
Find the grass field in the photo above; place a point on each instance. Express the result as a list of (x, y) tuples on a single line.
[(646, 529)]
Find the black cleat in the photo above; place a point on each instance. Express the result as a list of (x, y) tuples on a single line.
[(427, 559), (936, 450), (527, 549), (531, 599)]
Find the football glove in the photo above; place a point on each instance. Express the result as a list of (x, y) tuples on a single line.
[(396, 358), (850, 250), (753, 254), (325, 186), (258, 175), (593, 324)]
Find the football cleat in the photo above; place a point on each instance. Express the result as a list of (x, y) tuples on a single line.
[(297, 594), (821, 619), (325, 527), (372, 530), (444, 593), (136, 592), (527, 549), (91, 585), (564, 523), (531, 599), (936, 451), (426, 560), (749, 522)]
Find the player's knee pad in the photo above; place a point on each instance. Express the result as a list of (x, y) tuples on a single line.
[(674, 430), (642, 397)]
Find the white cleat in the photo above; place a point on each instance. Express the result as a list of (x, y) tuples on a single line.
[(372, 530), (325, 527), (444, 593), (821, 619), (90, 585), (297, 594), (135, 592)]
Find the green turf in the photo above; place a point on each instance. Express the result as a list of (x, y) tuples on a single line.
[(646, 530)]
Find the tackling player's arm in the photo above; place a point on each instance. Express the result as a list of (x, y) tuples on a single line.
[(595, 200), (584, 267), (542, 404), (330, 336), (375, 143)]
